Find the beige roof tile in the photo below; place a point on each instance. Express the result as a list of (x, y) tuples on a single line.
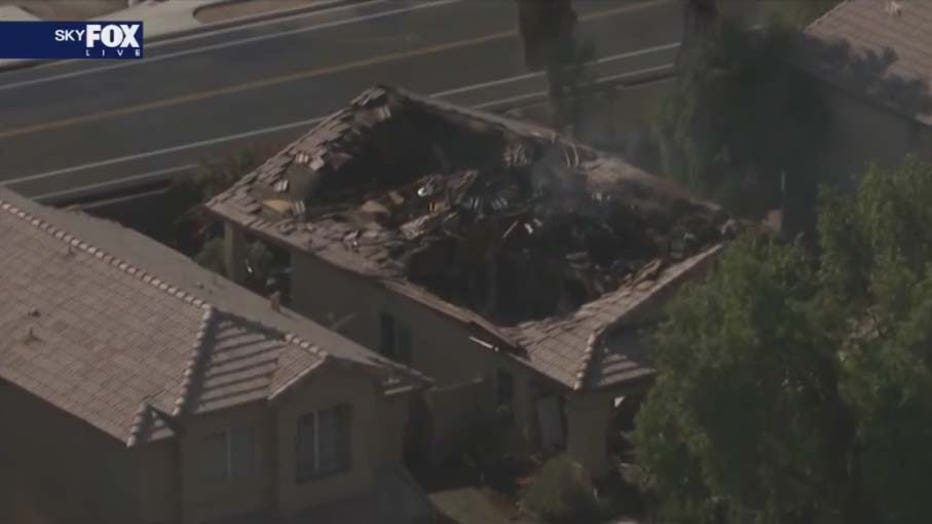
[(866, 48), (126, 350)]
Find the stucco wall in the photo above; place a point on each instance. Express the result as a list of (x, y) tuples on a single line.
[(203, 498), (322, 390), (441, 347), (386, 446), (159, 482), (55, 467), (377, 429), (862, 133), (588, 418)]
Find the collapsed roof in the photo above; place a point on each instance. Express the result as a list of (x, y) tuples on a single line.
[(496, 217)]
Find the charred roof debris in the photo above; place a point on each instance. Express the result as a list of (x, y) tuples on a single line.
[(502, 218)]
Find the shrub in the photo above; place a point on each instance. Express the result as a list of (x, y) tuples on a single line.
[(211, 256), (562, 492)]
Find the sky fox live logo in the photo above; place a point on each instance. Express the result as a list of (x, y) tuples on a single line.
[(112, 38), (63, 40)]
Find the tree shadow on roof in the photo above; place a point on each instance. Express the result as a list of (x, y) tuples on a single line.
[(877, 75)]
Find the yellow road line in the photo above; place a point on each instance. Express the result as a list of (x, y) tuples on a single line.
[(290, 77)]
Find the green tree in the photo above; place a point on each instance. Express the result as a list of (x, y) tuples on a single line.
[(550, 41), (795, 387), (571, 84), (877, 269), (742, 124), (190, 229), (562, 492)]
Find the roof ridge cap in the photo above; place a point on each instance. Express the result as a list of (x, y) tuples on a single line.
[(585, 363), (285, 336), (141, 423), (73, 241), (307, 346), (584, 370), (195, 365), (824, 15)]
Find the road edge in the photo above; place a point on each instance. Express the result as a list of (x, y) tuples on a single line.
[(260, 17)]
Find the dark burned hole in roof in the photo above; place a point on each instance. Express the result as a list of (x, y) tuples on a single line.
[(513, 226)]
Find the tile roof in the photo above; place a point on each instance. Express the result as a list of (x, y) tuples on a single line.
[(592, 347), (272, 201), (112, 341), (878, 49)]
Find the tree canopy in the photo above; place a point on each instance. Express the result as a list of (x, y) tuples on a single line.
[(795, 386), (742, 124)]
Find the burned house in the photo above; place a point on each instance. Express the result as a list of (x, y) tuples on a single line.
[(512, 265)]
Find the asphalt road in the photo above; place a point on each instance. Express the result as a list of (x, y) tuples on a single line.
[(70, 128)]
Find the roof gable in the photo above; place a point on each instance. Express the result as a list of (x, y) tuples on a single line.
[(125, 350)]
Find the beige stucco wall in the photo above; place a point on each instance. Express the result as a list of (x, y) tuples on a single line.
[(863, 133), (441, 347), (55, 467), (159, 482), (386, 445), (587, 418), (203, 499), (322, 390), (377, 429)]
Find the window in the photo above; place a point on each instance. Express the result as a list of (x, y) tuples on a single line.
[(229, 454), (323, 443), (396, 339)]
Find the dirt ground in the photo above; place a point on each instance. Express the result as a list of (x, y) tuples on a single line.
[(67, 9), (227, 11)]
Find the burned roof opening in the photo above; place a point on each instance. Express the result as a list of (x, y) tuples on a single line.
[(363, 165), (513, 224)]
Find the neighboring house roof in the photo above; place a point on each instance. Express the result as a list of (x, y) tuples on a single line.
[(129, 335), (878, 49), (430, 199)]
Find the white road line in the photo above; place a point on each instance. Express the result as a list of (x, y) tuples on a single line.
[(639, 72), (222, 45), (159, 173), (300, 123), (206, 32), (603, 60), (173, 149), (510, 99), (491, 83), (94, 204), (539, 94)]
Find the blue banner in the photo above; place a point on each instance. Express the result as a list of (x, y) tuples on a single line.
[(93, 39)]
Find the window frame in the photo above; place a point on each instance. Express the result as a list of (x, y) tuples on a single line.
[(343, 461), (225, 438)]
